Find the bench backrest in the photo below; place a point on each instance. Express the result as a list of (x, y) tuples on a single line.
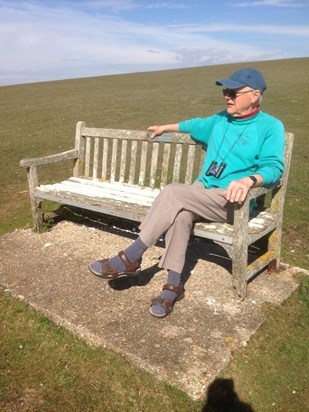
[(130, 156)]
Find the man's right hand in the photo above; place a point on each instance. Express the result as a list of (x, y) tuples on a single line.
[(158, 130)]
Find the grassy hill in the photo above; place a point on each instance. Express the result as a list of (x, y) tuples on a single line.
[(39, 119), (271, 373)]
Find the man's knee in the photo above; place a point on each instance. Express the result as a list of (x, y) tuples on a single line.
[(184, 219), (173, 189)]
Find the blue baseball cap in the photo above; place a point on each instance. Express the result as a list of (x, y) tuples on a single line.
[(242, 78)]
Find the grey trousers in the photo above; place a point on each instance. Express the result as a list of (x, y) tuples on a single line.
[(173, 213)]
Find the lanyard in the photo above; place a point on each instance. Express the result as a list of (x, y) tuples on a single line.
[(232, 147)]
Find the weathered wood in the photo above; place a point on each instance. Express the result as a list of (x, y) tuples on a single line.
[(165, 164), (154, 164), (142, 172), (36, 204), (104, 158), (55, 158), (177, 163), (96, 158), (123, 160), (120, 172), (240, 251), (190, 164), (180, 138), (133, 162), (78, 169)]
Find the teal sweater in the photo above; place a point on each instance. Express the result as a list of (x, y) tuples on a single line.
[(247, 146)]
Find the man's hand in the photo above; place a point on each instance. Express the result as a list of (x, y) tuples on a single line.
[(237, 190), (158, 130)]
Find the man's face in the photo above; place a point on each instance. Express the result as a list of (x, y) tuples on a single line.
[(241, 102)]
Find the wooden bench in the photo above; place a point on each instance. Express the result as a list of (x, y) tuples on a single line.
[(120, 172)]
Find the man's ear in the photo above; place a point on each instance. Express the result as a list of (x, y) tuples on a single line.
[(256, 96)]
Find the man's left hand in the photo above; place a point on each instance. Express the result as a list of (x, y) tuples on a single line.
[(237, 190)]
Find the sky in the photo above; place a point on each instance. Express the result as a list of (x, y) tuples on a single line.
[(52, 39)]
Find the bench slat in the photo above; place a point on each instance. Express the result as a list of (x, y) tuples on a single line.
[(87, 157), (114, 160), (154, 164), (96, 158), (136, 135), (123, 160), (190, 164), (142, 172), (116, 185), (133, 162), (104, 159), (177, 163), (165, 164)]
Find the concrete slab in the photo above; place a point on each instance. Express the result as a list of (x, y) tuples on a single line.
[(188, 348)]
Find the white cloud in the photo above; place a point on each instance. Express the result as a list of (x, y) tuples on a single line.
[(119, 5), (273, 3), (38, 42), (128, 5), (167, 5), (300, 30)]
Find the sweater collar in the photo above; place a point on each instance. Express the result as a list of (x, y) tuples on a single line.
[(248, 116)]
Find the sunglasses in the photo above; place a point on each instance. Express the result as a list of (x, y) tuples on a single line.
[(233, 94)]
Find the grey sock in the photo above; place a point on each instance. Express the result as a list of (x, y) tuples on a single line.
[(173, 278), (133, 252), (136, 250)]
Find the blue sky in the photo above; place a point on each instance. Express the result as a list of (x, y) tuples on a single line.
[(51, 40)]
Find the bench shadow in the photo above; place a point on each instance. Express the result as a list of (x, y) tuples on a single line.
[(142, 279), (198, 248), (221, 397), (207, 250)]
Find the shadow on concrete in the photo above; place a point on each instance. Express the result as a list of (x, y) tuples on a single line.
[(129, 281), (210, 253)]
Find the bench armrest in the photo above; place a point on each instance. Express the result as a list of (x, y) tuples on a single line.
[(259, 191), (36, 161), (242, 212)]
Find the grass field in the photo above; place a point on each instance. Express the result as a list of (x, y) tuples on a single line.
[(39, 119)]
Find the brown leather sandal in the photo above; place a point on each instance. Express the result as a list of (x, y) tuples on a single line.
[(167, 304), (106, 271)]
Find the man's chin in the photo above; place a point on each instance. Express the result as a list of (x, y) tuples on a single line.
[(231, 111)]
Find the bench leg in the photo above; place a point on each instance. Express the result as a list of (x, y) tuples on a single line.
[(239, 273), (239, 252), (274, 243), (37, 214), (240, 289), (36, 204)]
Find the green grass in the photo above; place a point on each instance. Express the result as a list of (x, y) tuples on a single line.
[(44, 365), (39, 119), (272, 372)]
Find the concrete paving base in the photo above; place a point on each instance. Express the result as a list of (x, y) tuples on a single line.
[(188, 348)]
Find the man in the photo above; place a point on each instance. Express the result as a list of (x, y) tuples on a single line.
[(244, 149)]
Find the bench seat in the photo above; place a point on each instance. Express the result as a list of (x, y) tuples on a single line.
[(116, 199), (132, 202)]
